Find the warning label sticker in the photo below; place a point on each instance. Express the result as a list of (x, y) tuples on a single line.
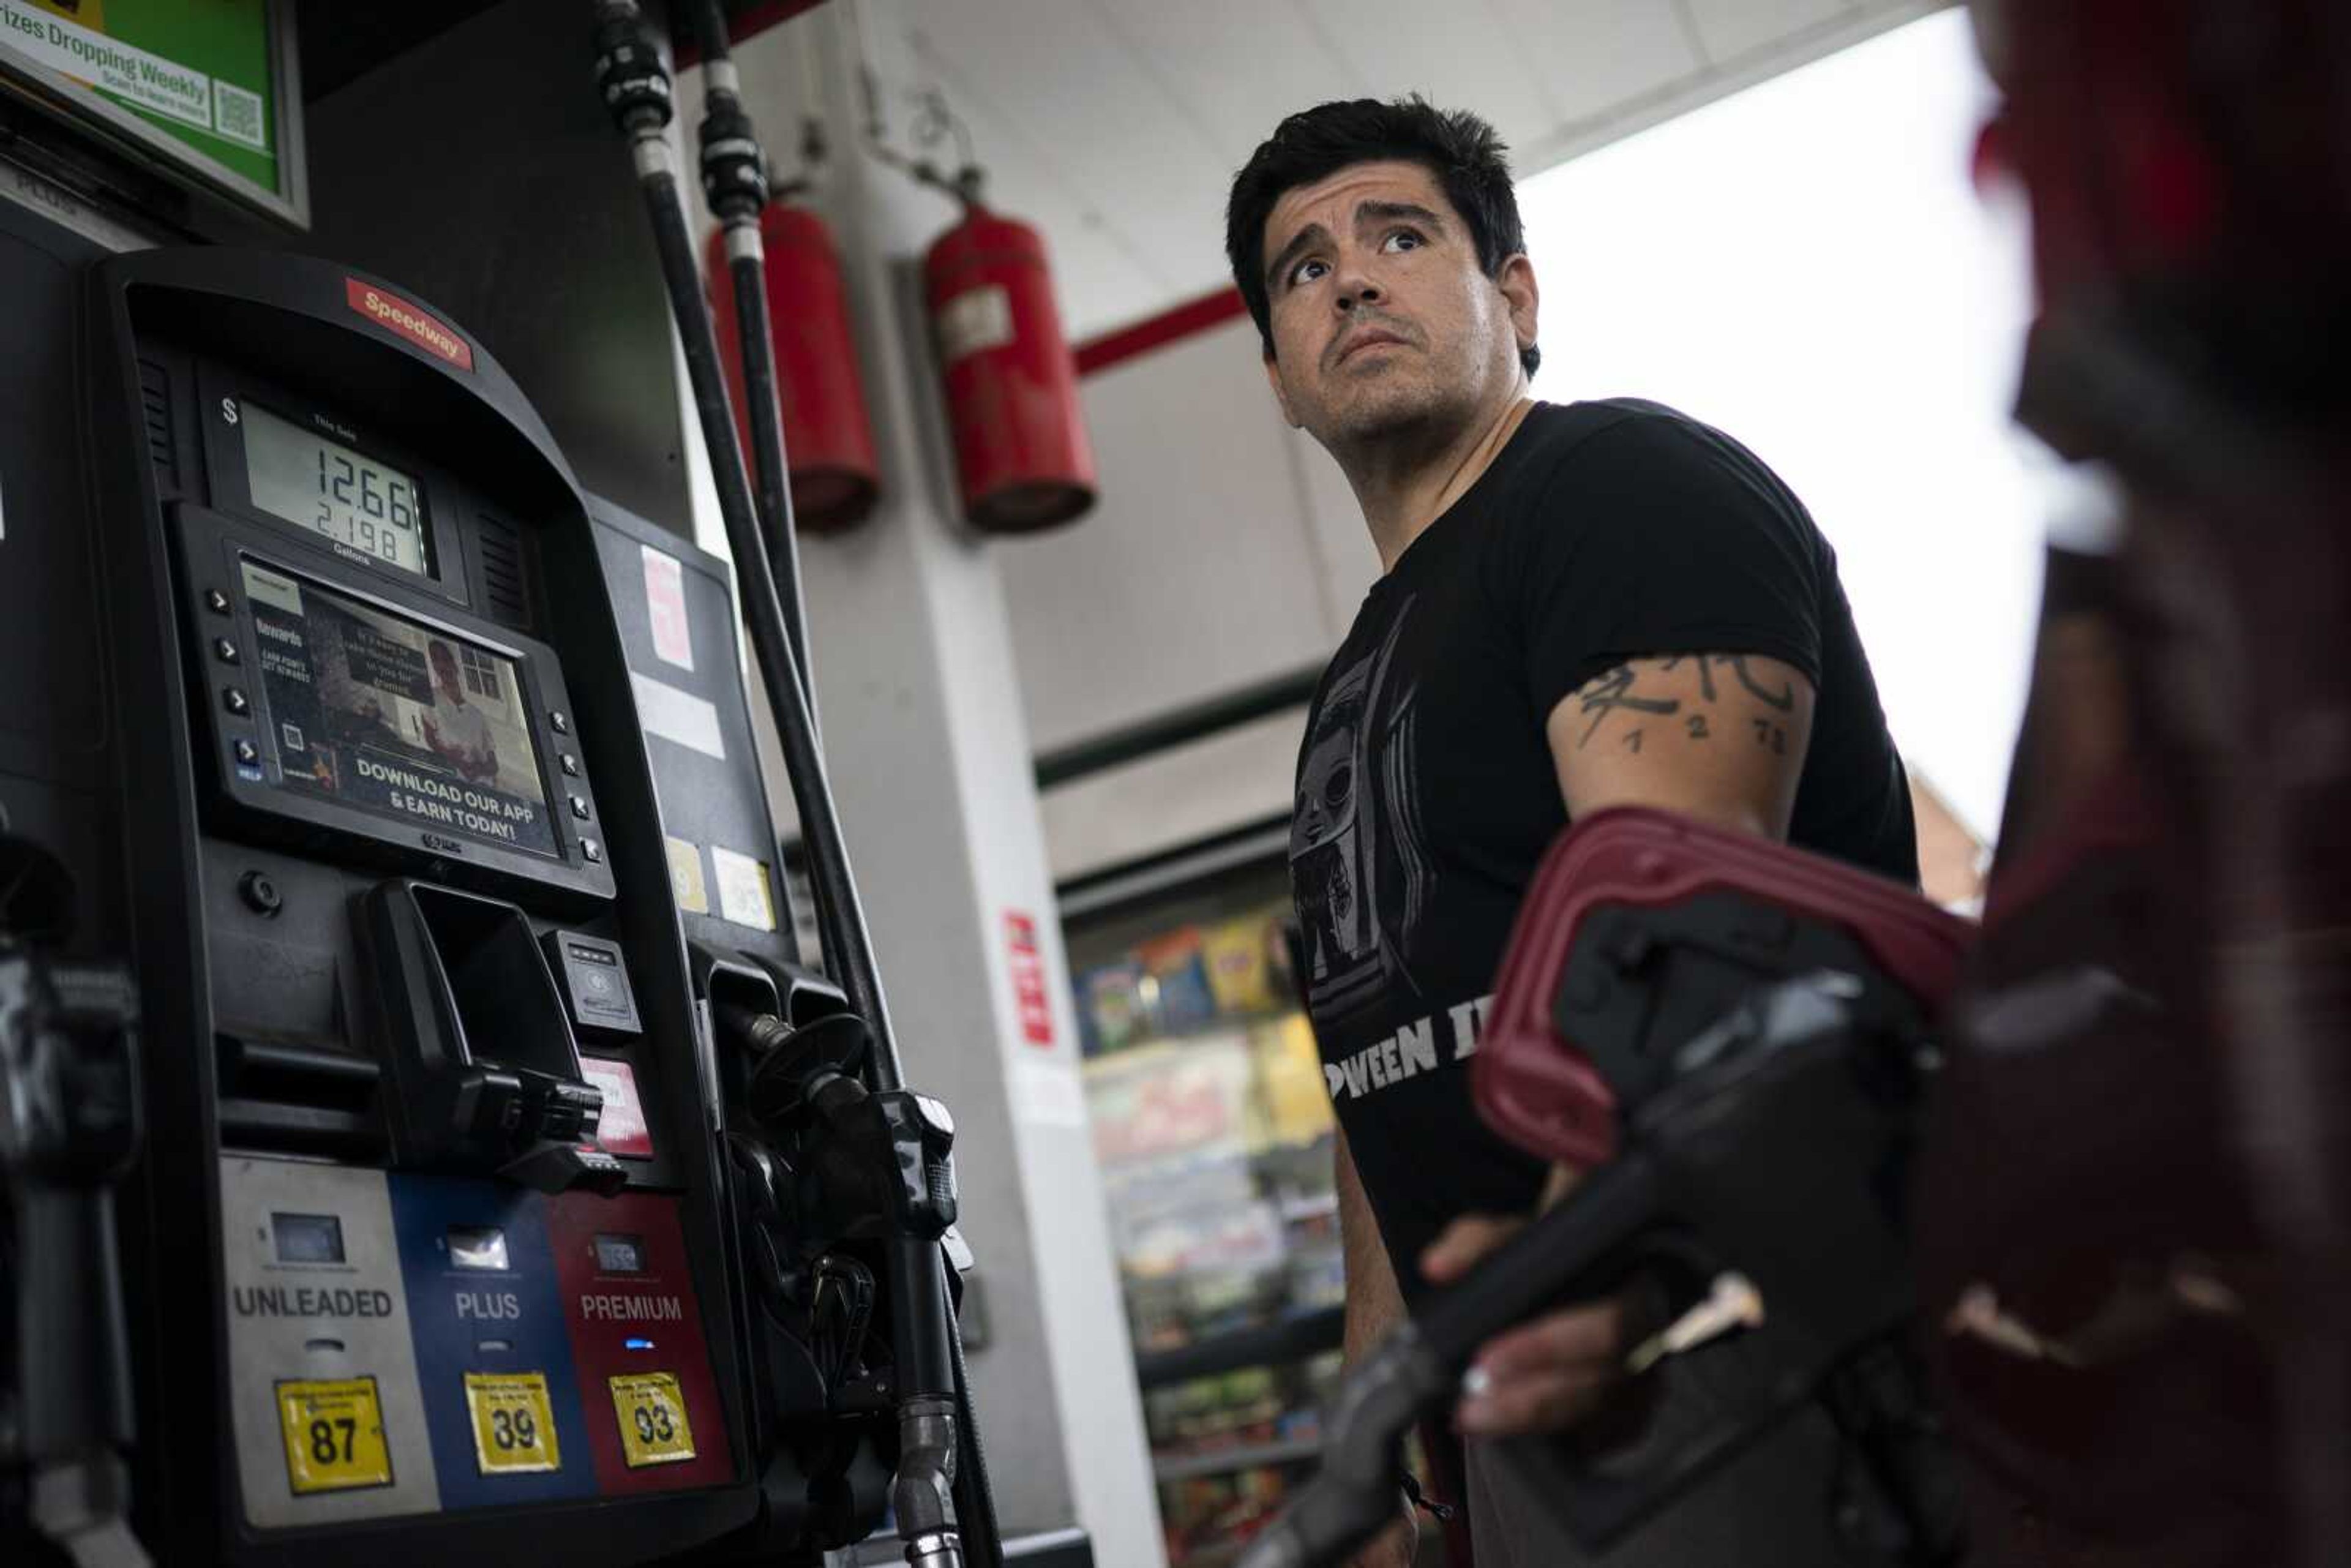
[(665, 606)]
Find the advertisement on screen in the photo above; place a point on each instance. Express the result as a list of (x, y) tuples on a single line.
[(373, 710)]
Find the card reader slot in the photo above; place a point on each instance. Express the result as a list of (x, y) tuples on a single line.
[(298, 1098)]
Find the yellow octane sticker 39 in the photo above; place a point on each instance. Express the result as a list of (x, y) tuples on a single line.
[(514, 1425), (651, 1411), (334, 1434)]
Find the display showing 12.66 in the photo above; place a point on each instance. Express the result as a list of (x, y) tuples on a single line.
[(329, 488)]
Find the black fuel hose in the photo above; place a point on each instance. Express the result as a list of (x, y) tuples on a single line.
[(735, 183)]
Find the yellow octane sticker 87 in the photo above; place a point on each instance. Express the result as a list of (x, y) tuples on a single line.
[(514, 1425), (334, 1434), (651, 1409)]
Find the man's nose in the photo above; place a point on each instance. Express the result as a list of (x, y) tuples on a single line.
[(1357, 291)]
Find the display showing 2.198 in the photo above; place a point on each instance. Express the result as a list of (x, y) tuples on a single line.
[(328, 488)]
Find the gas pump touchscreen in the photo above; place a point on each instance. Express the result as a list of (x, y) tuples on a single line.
[(371, 709)]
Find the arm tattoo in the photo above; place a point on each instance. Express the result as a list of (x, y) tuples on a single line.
[(1784, 699), (1613, 691)]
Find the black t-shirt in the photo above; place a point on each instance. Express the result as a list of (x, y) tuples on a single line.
[(1426, 791)]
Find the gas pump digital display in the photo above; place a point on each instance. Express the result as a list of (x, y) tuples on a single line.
[(620, 1254), (308, 1237), (331, 489), (369, 708)]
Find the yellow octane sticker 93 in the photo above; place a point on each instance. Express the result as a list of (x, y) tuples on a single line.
[(652, 1408), (514, 1425), (334, 1434)]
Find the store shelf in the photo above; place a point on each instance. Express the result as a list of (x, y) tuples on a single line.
[(1221, 1461), (1291, 1338)]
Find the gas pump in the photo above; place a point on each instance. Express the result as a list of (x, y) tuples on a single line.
[(426, 1071), (426, 1250)]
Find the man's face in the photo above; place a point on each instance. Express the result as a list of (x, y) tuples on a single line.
[(1383, 318), (445, 670)]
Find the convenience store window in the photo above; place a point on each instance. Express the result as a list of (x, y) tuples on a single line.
[(1213, 1134)]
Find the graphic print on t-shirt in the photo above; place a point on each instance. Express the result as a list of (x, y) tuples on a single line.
[(1355, 838)]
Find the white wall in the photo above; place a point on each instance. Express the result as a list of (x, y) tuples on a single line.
[(1214, 560)]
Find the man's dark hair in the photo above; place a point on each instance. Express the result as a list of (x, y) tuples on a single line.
[(1454, 145)]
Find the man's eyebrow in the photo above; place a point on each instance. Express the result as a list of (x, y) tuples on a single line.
[(1391, 212), (1303, 240)]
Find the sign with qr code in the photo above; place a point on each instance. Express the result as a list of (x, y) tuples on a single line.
[(201, 75)]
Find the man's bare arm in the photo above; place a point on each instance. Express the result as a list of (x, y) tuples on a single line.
[(1718, 737), (1375, 1304)]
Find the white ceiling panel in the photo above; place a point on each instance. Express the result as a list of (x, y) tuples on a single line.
[(1592, 55), (1729, 28), (1457, 56), (1055, 71), (1243, 64), (1099, 277), (1116, 125)]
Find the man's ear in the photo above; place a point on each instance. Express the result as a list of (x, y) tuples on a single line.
[(1517, 282), (1273, 380)]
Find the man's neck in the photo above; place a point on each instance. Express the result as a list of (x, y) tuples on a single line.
[(1403, 488)]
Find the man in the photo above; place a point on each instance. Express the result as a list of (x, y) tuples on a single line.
[(1582, 606), (456, 730)]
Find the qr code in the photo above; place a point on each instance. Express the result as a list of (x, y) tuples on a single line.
[(292, 735), (237, 114)]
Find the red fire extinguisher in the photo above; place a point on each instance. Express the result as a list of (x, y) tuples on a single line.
[(828, 440), (1021, 453)]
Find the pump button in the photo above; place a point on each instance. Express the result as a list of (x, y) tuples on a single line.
[(216, 602), (591, 851), (578, 808), (235, 700), (556, 722), (571, 765), (246, 752), (224, 650)]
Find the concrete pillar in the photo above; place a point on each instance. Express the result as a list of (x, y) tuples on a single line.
[(930, 758)]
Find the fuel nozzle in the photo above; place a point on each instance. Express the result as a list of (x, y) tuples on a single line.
[(791, 1063)]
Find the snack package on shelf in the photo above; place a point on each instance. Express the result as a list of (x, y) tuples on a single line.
[(1175, 978), (1290, 1091), (1170, 1098), (1240, 955), (1112, 1011)]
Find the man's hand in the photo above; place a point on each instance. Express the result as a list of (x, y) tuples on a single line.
[(1545, 1375)]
